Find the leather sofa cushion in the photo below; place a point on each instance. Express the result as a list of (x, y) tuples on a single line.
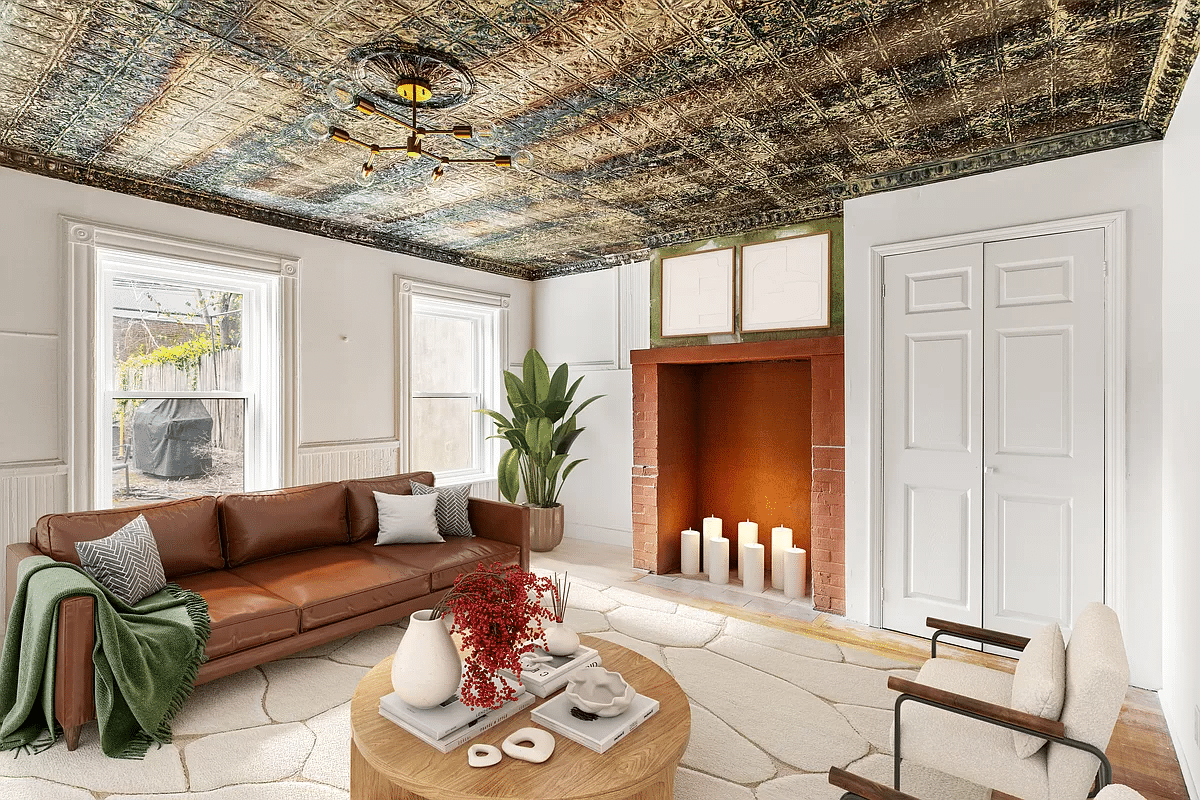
[(364, 515), (334, 583), (243, 615), (445, 562), (185, 532), (265, 524)]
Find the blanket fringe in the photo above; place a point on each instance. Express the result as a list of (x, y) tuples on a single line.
[(197, 611)]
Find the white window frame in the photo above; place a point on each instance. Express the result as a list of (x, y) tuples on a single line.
[(490, 311), (88, 246)]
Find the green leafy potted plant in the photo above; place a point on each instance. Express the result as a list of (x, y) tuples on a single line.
[(542, 429)]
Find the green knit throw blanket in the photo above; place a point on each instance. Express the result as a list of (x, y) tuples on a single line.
[(146, 659)]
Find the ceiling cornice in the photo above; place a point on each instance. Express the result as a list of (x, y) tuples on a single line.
[(68, 170), (1176, 54), (1062, 146)]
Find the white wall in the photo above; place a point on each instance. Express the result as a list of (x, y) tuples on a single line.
[(591, 322), (1129, 179), (1181, 431), (345, 387)]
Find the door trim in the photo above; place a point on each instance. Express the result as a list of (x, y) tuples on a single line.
[(1115, 337)]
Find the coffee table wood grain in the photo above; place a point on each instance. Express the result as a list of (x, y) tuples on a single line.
[(387, 763)]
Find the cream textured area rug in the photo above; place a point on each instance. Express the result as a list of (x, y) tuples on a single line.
[(771, 712)]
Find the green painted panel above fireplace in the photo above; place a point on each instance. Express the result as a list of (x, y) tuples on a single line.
[(836, 313)]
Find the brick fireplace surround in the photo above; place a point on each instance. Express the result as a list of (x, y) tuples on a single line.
[(657, 522)]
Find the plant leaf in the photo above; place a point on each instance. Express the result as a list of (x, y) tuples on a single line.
[(537, 376), (558, 384), (508, 475), (568, 440), (585, 404), (556, 408), (564, 430), (501, 421), (574, 386), (516, 390)]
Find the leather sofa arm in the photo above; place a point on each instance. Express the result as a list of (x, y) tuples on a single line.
[(74, 670), (501, 522), (14, 554)]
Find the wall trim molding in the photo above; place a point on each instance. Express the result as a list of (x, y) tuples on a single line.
[(80, 314), (1115, 333), (349, 444), (49, 466)]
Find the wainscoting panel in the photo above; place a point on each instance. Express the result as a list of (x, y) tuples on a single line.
[(339, 461), (486, 490), (26, 493)]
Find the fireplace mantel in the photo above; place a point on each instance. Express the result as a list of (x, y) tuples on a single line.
[(662, 506)]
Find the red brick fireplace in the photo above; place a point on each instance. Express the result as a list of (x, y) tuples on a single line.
[(748, 430)]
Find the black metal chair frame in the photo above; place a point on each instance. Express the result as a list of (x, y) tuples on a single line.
[(1103, 778)]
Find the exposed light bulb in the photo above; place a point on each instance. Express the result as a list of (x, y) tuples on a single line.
[(342, 94), (316, 126), (522, 160), (484, 130), (436, 175), (366, 175)]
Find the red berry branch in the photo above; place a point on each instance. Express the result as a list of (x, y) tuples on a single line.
[(497, 611)]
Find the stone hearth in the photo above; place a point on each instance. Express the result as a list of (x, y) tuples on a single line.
[(672, 490)]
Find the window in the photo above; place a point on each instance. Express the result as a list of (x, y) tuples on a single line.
[(187, 380), (454, 361)]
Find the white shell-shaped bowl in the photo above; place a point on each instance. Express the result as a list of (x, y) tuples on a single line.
[(599, 691)]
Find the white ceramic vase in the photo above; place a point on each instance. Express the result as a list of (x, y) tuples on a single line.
[(427, 669), (560, 640)]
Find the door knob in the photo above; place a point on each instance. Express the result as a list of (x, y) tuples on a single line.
[(988, 470)]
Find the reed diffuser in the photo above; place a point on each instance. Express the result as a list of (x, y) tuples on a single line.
[(560, 640)]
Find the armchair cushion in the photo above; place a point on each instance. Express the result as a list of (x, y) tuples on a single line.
[(967, 748), (1040, 683)]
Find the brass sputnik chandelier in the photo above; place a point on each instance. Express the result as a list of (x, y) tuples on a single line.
[(417, 77)]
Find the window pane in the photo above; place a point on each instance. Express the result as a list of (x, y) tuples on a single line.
[(442, 429), (443, 354), (169, 337), (168, 448)]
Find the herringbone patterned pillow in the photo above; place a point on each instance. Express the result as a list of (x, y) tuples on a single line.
[(126, 563), (451, 507)]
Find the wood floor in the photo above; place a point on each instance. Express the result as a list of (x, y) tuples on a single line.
[(1141, 751)]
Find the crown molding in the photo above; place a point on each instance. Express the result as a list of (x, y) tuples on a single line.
[(164, 192)]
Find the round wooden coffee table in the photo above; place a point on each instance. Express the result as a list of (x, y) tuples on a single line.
[(387, 763)]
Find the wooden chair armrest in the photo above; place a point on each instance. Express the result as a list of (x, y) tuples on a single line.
[(984, 635), (863, 787), (990, 712)]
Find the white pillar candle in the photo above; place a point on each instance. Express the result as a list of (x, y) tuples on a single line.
[(794, 567), (689, 547), (781, 539), (711, 528), (752, 558), (747, 534), (718, 560)]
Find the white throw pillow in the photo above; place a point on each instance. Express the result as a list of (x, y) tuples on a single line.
[(1040, 684), (407, 519)]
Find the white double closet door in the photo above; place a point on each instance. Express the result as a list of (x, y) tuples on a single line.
[(993, 431)]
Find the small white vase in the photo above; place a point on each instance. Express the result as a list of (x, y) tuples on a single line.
[(560, 640), (427, 669)]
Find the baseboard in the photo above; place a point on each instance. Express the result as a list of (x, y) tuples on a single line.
[(1174, 726), (595, 533)]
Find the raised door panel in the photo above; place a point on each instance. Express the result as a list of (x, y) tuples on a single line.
[(932, 437)]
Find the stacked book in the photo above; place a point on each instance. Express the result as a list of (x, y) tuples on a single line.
[(451, 724), (599, 734), (544, 674)]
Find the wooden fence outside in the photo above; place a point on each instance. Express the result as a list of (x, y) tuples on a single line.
[(221, 371)]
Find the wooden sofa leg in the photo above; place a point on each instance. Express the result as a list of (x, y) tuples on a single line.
[(72, 734)]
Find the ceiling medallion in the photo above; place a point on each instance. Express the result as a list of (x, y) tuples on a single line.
[(406, 74)]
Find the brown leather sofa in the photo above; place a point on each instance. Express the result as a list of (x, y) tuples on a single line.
[(282, 571)]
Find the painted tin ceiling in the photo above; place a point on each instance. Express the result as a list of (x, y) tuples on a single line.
[(652, 121)]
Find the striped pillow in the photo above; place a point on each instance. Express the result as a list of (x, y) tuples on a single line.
[(451, 507), (126, 563)]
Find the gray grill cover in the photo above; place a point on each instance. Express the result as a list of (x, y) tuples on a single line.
[(171, 437)]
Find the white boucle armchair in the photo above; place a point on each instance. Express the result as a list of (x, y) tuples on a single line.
[(957, 717), (859, 788)]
